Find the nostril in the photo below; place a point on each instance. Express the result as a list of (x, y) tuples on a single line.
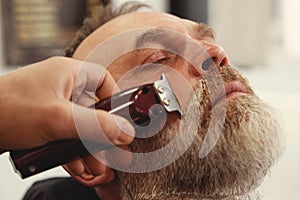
[(208, 63), (224, 62)]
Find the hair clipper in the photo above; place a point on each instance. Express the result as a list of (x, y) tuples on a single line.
[(141, 105)]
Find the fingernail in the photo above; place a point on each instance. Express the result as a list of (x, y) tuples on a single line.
[(87, 176), (127, 131)]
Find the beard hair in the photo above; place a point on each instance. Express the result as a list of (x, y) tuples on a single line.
[(247, 147)]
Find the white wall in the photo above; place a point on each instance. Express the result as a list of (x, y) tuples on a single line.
[(158, 5), (242, 29), (291, 27)]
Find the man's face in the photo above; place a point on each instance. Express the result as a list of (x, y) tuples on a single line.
[(247, 139)]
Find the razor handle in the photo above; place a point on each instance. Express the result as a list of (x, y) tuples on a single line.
[(135, 104)]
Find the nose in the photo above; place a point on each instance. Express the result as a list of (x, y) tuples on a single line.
[(211, 55)]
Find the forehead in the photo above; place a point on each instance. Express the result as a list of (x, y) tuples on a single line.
[(144, 20), (138, 20)]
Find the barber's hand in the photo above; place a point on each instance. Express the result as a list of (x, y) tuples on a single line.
[(36, 108)]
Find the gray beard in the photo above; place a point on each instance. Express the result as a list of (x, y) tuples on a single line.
[(247, 147)]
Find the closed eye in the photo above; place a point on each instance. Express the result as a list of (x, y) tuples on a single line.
[(157, 57), (154, 63)]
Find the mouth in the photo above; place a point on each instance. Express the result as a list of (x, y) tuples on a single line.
[(230, 90)]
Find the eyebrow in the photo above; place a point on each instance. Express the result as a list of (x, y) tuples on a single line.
[(203, 30), (153, 35), (157, 35), (168, 40)]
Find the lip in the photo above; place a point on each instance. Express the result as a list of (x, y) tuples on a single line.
[(230, 90)]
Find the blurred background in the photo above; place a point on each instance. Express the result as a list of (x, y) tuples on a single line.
[(260, 37)]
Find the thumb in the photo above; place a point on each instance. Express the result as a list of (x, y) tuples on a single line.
[(94, 125)]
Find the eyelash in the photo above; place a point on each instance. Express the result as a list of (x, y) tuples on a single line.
[(161, 60), (156, 58)]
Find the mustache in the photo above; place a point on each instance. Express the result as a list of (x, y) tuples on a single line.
[(218, 82), (219, 75), (199, 107), (205, 92)]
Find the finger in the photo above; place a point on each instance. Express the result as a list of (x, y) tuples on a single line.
[(107, 87), (75, 121), (97, 180), (88, 168), (100, 126), (86, 76), (90, 180), (95, 165), (77, 168), (94, 78), (87, 99)]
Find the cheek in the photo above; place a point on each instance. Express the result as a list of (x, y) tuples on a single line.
[(120, 67)]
